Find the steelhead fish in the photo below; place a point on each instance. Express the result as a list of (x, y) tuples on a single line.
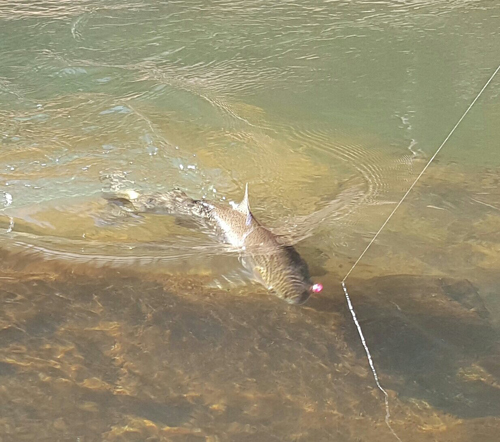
[(275, 265)]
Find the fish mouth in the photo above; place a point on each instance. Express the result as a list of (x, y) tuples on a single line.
[(299, 299)]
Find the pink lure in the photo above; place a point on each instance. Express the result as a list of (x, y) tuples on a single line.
[(316, 288)]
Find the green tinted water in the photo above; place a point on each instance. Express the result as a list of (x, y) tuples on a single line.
[(118, 328)]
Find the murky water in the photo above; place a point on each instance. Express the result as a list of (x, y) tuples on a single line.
[(121, 328)]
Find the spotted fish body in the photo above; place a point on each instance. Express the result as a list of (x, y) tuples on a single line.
[(277, 266)]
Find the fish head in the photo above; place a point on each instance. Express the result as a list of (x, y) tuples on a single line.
[(300, 296), (286, 275)]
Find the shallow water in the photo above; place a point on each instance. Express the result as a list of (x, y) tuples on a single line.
[(117, 327)]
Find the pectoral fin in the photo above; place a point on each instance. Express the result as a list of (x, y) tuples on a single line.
[(253, 271)]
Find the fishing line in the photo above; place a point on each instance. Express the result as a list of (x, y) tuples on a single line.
[(348, 298)]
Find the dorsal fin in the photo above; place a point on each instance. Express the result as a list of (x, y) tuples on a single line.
[(244, 206)]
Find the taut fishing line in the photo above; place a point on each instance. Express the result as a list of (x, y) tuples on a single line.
[(348, 298)]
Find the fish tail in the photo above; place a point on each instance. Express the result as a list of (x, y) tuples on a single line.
[(174, 202)]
